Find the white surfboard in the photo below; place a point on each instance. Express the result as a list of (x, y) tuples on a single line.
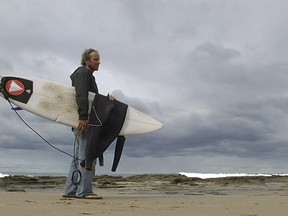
[(57, 102)]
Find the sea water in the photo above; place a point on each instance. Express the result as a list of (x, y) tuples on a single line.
[(30, 174), (222, 175), (3, 175), (192, 175)]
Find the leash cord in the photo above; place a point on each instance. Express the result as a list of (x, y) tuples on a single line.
[(60, 150), (76, 175)]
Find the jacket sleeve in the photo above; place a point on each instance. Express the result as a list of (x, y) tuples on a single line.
[(81, 84)]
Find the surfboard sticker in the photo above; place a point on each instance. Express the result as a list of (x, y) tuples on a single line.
[(18, 88)]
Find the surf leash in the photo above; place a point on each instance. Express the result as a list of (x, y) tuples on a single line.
[(76, 175), (46, 141), (15, 109)]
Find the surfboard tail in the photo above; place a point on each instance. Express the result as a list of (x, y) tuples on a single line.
[(1, 87)]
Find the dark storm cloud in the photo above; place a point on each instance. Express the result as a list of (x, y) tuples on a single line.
[(214, 72), (241, 117)]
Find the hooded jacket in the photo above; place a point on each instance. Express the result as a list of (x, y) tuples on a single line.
[(83, 81)]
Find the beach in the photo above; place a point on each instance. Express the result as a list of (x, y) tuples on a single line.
[(148, 195)]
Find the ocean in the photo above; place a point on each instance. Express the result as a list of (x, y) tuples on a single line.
[(222, 175), (31, 174), (3, 175), (192, 175)]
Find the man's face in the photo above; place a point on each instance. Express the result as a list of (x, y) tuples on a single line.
[(93, 62)]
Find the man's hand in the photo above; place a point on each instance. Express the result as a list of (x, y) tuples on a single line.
[(83, 125), (111, 97)]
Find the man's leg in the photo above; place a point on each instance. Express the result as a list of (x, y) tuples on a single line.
[(87, 176), (73, 177)]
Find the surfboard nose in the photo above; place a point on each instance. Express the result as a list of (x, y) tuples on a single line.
[(138, 123), (161, 125), (156, 123)]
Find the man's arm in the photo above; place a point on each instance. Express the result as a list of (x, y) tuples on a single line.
[(81, 84)]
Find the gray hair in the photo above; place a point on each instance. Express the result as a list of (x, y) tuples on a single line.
[(85, 55)]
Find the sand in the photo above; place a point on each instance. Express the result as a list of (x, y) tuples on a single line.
[(146, 195)]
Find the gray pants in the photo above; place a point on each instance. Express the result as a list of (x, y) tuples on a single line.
[(79, 180)]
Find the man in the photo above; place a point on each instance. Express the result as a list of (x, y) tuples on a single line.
[(79, 180)]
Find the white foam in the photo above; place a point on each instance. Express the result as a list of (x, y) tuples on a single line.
[(3, 175), (222, 175)]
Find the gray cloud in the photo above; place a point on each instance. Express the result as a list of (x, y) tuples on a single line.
[(215, 73)]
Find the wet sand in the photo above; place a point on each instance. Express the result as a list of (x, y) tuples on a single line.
[(148, 195)]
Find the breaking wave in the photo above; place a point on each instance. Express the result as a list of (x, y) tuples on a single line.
[(222, 175)]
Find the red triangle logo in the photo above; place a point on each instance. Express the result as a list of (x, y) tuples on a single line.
[(15, 87)]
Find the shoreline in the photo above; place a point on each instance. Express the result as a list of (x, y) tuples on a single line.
[(149, 183), (143, 195)]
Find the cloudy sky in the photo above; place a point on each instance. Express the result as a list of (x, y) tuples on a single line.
[(215, 72)]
